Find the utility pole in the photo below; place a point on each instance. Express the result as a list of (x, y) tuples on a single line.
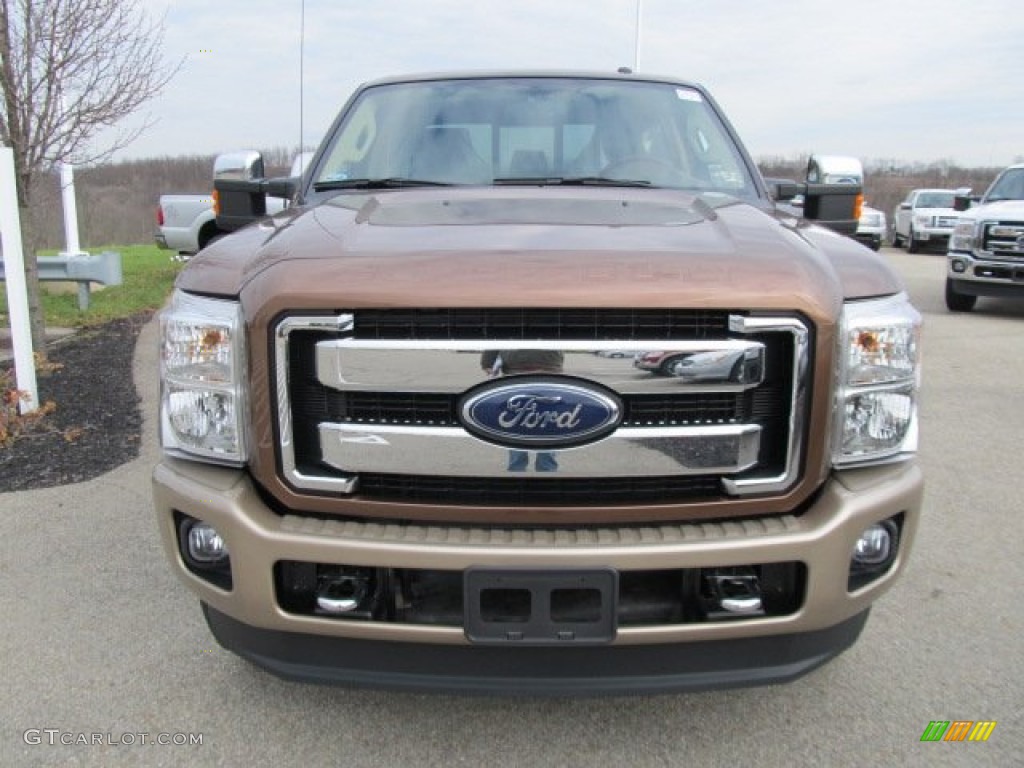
[(636, 42)]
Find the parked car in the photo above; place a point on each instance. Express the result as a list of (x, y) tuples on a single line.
[(926, 217), (986, 251), (871, 227)]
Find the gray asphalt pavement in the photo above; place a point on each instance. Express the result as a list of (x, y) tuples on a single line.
[(101, 644)]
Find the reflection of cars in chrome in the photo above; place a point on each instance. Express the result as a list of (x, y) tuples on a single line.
[(657, 362), (721, 365), (615, 353)]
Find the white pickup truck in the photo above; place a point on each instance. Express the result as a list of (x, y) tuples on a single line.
[(986, 249), (187, 223)]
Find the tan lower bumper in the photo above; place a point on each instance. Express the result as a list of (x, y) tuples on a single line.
[(822, 538)]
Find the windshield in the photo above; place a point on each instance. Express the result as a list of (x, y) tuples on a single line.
[(1009, 186), (533, 131), (935, 200)]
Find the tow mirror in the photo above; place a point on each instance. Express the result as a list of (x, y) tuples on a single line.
[(835, 192), (240, 166), (964, 202), (240, 189)]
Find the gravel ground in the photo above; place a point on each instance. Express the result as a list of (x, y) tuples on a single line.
[(97, 423)]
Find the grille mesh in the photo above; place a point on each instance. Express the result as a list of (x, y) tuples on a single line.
[(554, 324)]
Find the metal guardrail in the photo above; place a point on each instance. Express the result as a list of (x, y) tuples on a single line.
[(81, 268)]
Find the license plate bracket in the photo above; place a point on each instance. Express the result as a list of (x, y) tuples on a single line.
[(521, 606)]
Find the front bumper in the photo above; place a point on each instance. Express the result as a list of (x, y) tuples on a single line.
[(871, 239), (985, 277), (248, 619), (929, 235), (710, 664)]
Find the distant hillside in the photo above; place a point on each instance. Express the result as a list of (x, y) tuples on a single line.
[(117, 201)]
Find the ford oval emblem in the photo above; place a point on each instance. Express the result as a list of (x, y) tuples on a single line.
[(540, 412)]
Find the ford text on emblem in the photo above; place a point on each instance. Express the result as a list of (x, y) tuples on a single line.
[(540, 412)]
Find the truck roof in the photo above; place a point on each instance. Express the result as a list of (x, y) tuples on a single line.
[(476, 74)]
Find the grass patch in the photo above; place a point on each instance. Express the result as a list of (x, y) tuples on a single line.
[(149, 275)]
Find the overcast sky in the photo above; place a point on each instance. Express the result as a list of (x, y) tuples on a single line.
[(909, 80)]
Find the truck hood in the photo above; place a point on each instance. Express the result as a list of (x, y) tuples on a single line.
[(551, 246), (1001, 209)]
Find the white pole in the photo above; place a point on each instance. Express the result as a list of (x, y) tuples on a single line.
[(67, 194), (17, 294), (636, 46)]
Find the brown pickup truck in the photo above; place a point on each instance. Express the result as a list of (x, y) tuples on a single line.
[(359, 492)]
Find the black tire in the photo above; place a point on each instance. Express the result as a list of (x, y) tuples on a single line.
[(897, 241), (913, 246), (958, 302), (670, 366), (212, 240)]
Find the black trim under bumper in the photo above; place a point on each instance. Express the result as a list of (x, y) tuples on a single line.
[(1005, 290), (577, 670)]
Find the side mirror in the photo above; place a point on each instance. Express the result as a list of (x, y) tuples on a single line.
[(240, 190), (835, 192), (905, 206), (240, 166), (238, 197), (964, 202), (836, 206), (834, 169)]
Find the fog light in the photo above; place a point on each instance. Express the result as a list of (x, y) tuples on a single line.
[(959, 267), (873, 546), (205, 544)]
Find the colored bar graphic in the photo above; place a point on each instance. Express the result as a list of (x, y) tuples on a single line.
[(958, 730), (982, 730)]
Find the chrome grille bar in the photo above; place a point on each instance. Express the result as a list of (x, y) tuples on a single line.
[(328, 455)]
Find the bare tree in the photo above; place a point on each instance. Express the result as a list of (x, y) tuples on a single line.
[(70, 69)]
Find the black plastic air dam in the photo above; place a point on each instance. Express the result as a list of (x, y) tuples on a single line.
[(571, 671)]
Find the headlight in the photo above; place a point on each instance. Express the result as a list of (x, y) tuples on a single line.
[(876, 400), (964, 237), (922, 221), (202, 367)]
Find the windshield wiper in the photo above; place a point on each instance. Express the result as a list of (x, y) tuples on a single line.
[(571, 181), (392, 182)]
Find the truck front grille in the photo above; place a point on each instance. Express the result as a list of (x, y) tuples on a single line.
[(556, 324), (368, 406), (1004, 239)]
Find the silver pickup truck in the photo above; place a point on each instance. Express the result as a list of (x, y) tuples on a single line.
[(187, 223)]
